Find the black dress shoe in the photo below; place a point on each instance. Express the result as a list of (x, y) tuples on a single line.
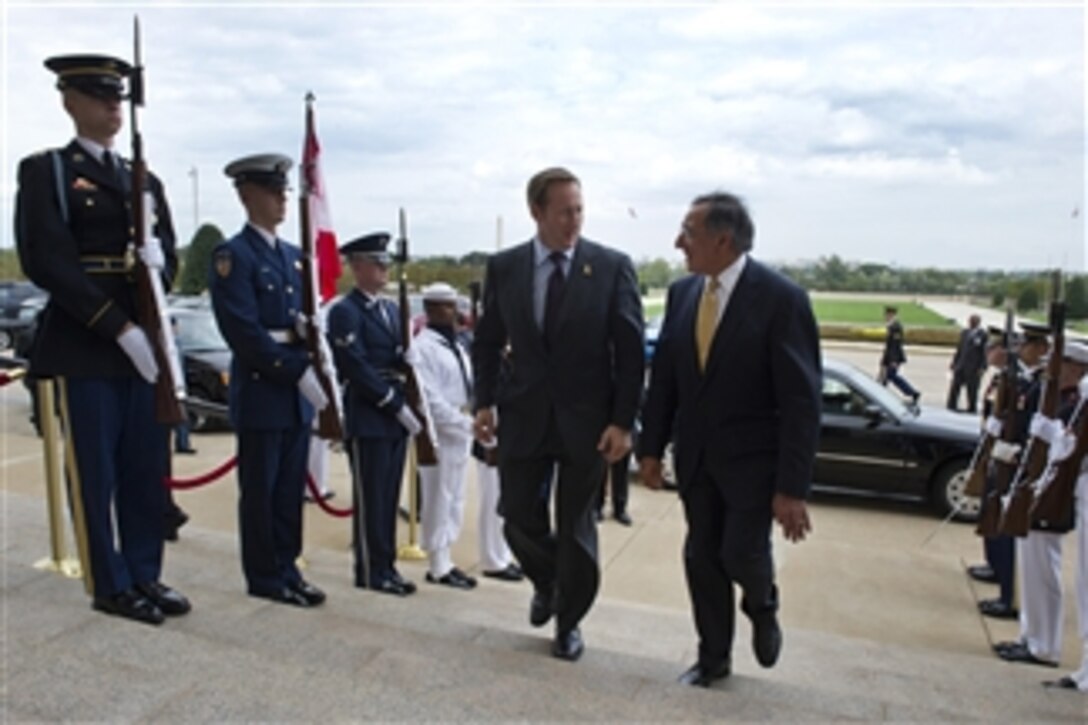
[(170, 601), (997, 609), (540, 609), (623, 517), (699, 675), (512, 573), (392, 586), (173, 520), (409, 586), (287, 595), (1063, 683), (568, 645), (130, 604), (453, 578), (1019, 652), (308, 591), (766, 639), (982, 573), (187, 451)]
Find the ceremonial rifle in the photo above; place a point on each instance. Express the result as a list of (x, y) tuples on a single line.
[(1054, 500), (1016, 517), (980, 461), (425, 450), (150, 296), (329, 426), (989, 520)]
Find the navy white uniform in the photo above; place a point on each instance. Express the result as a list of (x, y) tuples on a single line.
[(368, 350), (73, 228), (255, 286)]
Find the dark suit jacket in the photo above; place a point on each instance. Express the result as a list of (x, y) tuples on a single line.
[(970, 357), (256, 289), (893, 345), (752, 420), (87, 309), (369, 357), (591, 380)]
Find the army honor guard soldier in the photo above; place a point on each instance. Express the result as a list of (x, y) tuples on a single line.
[(74, 230), (256, 290), (368, 349)]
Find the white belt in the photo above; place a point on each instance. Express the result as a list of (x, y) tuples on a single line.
[(283, 337)]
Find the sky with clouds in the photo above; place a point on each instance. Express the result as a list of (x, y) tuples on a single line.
[(948, 135)]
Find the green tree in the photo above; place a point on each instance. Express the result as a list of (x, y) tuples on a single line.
[(655, 274), (1028, 299), (1076, 298), (194, 271)]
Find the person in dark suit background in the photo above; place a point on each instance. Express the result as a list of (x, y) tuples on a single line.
[(256, 292), (894, 356), (562, 321), (737, 367), (968, 364), (73, 228)]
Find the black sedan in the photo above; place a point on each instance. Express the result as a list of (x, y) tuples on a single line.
[(206, 363), (874, 443)]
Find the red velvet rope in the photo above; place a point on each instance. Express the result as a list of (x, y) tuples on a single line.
[(320, 500), (184, 483), (228, 466)]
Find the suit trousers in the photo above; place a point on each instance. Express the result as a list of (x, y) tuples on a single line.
[(1040, 556), (271, 477), (377, 465), (116, 475), (563, 561), (964, 379), (617, 484), (494, 553), (725, 545)]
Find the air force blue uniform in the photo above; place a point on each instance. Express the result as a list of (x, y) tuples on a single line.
[(256, 294), (369, 353)]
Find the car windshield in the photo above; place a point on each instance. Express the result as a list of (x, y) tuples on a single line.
[(877, 392), (198, 332)]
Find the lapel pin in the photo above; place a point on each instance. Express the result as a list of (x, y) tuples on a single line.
[(587, 271), (77, 157)]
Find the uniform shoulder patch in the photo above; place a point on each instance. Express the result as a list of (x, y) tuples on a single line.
[(223, 262)]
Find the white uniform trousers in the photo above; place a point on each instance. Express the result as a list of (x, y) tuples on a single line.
[(1040, 557), (442, 488), (494, 553), (1081, 675)]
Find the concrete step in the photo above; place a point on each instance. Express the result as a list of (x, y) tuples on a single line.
[(441, 655)]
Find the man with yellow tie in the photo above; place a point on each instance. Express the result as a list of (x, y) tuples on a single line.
[(737, 367)]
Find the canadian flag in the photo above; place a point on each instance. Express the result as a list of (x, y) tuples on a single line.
[(327, 256)]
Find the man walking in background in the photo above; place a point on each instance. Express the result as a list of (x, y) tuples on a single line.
[(894, 356)]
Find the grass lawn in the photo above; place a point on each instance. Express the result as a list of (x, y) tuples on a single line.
[(869, 312)]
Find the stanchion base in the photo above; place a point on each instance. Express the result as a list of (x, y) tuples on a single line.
[(411, 552), (69, 568)]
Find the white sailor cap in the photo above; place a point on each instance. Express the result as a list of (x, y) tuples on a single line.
[(439, 292), (1076, 351), (269, 170)]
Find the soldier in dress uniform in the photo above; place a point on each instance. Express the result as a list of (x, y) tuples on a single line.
[(256, 291), (445, 375), (73, 227), (894, 357), (368, 350)]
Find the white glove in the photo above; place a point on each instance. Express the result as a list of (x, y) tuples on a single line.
[(993, 426), (408, 419), (136, 345), (311, 389), (1082, 387), (1005, 452), (1045, 428), (151, 253), (1061, 447)]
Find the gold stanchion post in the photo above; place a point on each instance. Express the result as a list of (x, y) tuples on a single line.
[(411, 550), (59, 560)]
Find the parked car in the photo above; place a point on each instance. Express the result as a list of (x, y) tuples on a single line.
[(205, 361), (13, 320), (873, 442)]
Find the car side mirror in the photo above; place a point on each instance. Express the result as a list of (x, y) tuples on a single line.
[(874, 414)]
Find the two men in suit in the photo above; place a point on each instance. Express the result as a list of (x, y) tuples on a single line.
[(73, 228), (558, 362), (256, 292), (737, 368)]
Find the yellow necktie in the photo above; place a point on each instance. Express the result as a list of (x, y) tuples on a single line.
[(706, 321)]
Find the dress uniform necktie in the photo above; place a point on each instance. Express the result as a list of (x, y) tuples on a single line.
[(554, 297), (706, 322)]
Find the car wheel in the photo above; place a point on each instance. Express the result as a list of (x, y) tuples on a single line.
[(948, 492)]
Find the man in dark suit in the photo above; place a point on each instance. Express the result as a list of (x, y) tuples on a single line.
[(256, 293), (368, 349), (968, 364), (73, 227), (558, 352), (894, 356), (737, 368)]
